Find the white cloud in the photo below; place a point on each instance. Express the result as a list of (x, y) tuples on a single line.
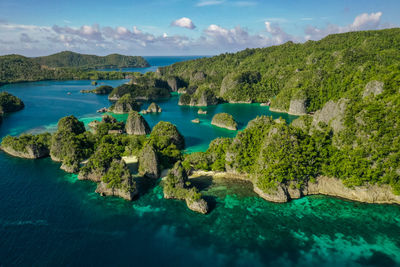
[(362, 22), (184, 23), (210, 2), (34, 40)]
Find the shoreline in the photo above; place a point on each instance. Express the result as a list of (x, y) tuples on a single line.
[(326, 186)]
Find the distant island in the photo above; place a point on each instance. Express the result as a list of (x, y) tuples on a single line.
[(66, 66), (345, 142), (68, 59)]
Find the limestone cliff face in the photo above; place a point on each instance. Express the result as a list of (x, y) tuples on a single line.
[(154, 108), (228, 83), (200, 205), (204, 99), (175, 83), (94, 176), (198, 76), (136, 124), (373, 88), (176, 186), (148, 162), (331, 114), (70, 168), (104, 190), (298, 107), (381, 194), (32, 152), (125, 104), (199, 99)]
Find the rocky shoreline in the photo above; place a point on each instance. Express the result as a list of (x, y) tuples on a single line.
[(329, 186)]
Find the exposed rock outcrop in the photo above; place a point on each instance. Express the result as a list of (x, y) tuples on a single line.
[(298, 107), (228, 83), (195, 120), (31, 152), (199, 205), (154, 108), (331, 114), (136, 124), (373, 87), (177, 186), (175, 83), (148, 162), (332, 187), (125, 104), (278, 195), (104, 190), (197, 77), (70, 168), (201, 98), (94, 176)]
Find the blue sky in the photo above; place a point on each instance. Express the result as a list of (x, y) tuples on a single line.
[(177, 27)]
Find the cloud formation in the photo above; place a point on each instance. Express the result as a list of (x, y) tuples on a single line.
[(362, 22), (209, 2), (184, 23), (32, 40)]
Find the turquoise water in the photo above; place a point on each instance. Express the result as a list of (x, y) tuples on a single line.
[(48, 217)]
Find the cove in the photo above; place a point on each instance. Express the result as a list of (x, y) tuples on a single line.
[(48, 217)]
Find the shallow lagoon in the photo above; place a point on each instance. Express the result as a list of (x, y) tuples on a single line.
[(48, 217)]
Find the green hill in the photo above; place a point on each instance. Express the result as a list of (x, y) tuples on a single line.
[(16, 68), (68, 59), (314, 72), (348, 82)]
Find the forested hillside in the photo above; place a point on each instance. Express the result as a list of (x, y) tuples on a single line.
[(308, 74), (68, 59), (16, 68), (349, 82)]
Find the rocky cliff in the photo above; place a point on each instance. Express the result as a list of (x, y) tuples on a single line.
[(148, 162), (177, 186), (30, 152), (125, 104), (323, 185), (104, 190), (136, 124), (154, 108)]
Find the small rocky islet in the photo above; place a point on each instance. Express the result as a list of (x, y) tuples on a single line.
[(9, 103)]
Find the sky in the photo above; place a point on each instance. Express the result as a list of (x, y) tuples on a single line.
[(180, 27)]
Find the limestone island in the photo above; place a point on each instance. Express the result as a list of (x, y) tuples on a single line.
[(224, 120), (153, 108), (9, 103), (101, 90), (125, 104)]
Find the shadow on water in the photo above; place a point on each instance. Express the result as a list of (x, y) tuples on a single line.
[(377, 259), (203, 182), (211, 201), (193, 141), (144, 185)]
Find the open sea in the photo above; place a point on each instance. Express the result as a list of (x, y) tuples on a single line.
[(49, 218)]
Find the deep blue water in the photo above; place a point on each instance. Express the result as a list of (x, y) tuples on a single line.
[(48, 217)]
